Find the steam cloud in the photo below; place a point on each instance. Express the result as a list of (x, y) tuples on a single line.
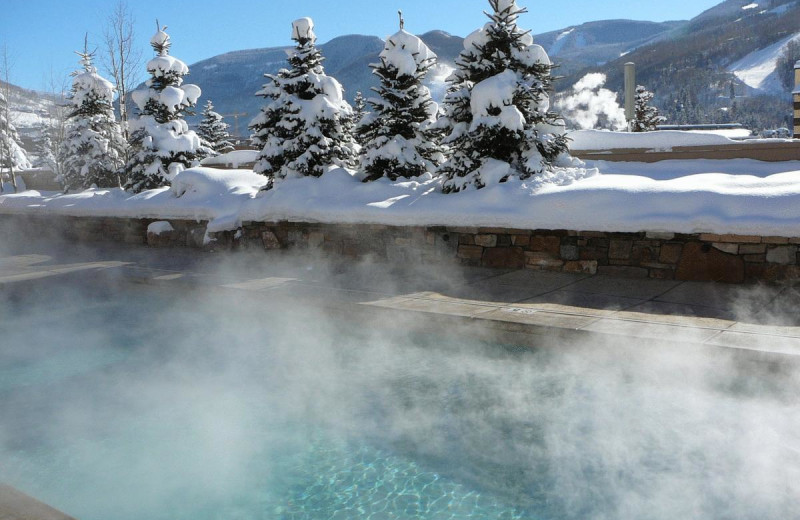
[(157, 404), (587, 105)]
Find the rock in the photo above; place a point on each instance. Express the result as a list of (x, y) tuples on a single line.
[(784, 255), (470, 252), (570, 252), (504, 258), (701, 262), (486, 240), (270, 241), (620, 249), (670, 253), (731, 249)]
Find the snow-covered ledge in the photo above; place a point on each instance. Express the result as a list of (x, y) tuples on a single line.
[(670, 220)]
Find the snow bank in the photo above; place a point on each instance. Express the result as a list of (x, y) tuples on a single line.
[(739, 196), (196, 194), (232, 159), (662, 140)]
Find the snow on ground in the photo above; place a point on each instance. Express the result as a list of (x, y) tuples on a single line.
[(662, 140), (232, 159), (736, 196), (758, 69)]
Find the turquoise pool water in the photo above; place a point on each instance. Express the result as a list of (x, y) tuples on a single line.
[(147, 405)]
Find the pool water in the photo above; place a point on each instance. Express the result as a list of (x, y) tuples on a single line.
[(141, 404)]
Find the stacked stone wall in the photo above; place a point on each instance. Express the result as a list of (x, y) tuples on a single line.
[(670, 256)]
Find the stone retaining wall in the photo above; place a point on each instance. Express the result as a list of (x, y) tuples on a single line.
[(700, 257)]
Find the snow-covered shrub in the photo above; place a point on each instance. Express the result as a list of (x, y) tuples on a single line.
[(646, 118), (497, 105), (589, 106), (304, 127), (213, 132), (161, 142), (397, 136), (93, 150)]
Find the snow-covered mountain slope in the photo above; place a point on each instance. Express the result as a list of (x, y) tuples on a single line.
[(595, 43), (29, 109), (758, 69), (232, 79), (736, 8)]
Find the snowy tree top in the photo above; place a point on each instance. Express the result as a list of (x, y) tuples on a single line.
[(507, 6), (87, 84), (91, 81), (406, 52), (303, 29), (160, 40), (164, 64)]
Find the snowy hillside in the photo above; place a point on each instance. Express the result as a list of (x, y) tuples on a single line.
[(758, 70), (596, 43), (29, 109)]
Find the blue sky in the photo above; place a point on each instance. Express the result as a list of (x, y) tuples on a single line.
[(41, 35)]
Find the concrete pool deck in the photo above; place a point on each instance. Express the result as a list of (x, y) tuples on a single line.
[(759, 318), (15, 505)]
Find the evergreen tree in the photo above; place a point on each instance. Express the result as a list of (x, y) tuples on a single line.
[(400, 141), (161, 143), (93, 150), (304, 128), (44, 149), (213, 131), (12, 156), (497, 106), (359, 113), (646, 118)]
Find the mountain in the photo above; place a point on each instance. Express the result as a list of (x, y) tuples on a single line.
[(727, 64), (29, 109), (231, 80), (596, 43), (717, 67)]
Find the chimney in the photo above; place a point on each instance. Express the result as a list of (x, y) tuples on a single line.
[(796, 96), (630, 92)]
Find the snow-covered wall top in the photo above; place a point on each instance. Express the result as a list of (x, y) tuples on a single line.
[(661, 140), (736, 196)]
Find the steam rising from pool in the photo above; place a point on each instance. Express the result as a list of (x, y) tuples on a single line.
[(148, 404)]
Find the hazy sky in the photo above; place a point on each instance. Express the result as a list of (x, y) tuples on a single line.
[(41, 35)]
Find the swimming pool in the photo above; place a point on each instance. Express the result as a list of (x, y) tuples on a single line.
[(144, 404)]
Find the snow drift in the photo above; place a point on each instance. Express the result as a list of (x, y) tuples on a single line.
[(738, 196)]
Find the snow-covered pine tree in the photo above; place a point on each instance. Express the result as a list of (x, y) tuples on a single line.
[(93, 151), (359, 112), (213, 131), (646, 118), (44, 149), (161, 143), (401, 142), (497, 107), (12, 156), (303, 129)]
